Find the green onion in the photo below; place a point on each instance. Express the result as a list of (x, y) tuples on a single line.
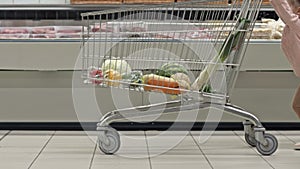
[(230, 43)]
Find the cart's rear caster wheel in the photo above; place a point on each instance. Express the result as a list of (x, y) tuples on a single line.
[(113, 145), (270, 148), (250, 140)]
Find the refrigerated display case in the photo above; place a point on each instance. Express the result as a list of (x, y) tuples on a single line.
[(39, 53)]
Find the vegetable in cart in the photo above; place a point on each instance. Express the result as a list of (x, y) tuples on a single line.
[(169, 69), (230, 43), (113, 77), (118, 65)]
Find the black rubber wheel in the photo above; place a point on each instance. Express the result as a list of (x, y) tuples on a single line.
[(270, 148), (114, 143), (250, 140)]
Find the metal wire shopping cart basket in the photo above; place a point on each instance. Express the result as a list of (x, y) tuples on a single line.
[(191, 49)]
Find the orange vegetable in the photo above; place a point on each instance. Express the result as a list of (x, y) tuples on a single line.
[(161, 84), (166, 82), (113, 75), (174, 91)]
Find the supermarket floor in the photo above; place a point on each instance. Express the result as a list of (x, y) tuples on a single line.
[(75, 150)]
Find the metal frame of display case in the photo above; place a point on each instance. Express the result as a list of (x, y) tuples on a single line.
[(72, 12)]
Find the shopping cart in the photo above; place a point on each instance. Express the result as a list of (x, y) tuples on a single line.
[(191, 49)]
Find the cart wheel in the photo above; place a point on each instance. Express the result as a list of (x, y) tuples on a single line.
[(114, 143), (250, 140), (270, 148)]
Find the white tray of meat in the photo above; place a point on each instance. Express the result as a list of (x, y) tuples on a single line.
[(43, 30), (69, 29), (138, 26), (14, 36), (42, 36), (69, 35), (103, 27), (15, 30)]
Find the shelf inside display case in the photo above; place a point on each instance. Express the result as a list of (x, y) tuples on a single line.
[(24, 18)]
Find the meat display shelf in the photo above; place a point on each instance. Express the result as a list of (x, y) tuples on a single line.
[(32, 53)]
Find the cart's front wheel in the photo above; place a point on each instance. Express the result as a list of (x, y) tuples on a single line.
[(250, 140), (113, 145), (270, 148)]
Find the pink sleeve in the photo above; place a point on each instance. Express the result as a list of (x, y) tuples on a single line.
[(285, 12)]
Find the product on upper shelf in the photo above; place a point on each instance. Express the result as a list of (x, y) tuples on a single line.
[(261, 33), (275, 26)]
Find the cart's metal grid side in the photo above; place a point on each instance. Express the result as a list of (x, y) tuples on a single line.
[(208, 46), (163, 27)]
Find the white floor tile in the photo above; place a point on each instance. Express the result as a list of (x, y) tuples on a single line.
[(3, 132), (226, 143), (171, 143), (130, 159), (240, 162), (228, 150), (133, 144), (285, 154), (293, 135), (133, 153), (18, 151), (183, 164), (118, 165), (66, 151), (71, 133), (31, 133), (184, 151)]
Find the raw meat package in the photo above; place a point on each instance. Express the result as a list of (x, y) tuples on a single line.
[(43, 30), (15, 30), (14, 36), (138, 26), (42, 36), (69, 35)]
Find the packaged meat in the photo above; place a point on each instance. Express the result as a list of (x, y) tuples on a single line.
[(261, 33), (69, 35), (199, 33), (15, 30), (43, 30), (138, 26), (14, 36), (103, 27), (42, 36)]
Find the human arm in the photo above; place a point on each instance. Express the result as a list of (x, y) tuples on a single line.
[(285, 12)]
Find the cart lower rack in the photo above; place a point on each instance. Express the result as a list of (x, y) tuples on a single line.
[(190, 49)]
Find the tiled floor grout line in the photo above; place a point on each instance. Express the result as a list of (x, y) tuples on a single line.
[(206, 158), (287, 137), (148, 150), (6, 134), (261, 156), (34, 160), (92, 160)]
